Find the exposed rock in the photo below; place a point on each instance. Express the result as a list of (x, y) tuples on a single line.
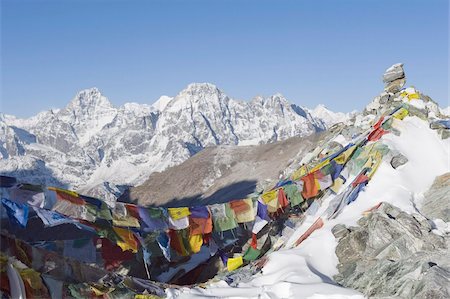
[(393, 73), (393, 253), (440, 124), (385, 97), (420, 113), (395, 86), (340, 231), (444, 133), (398, 160), (394, 78), (437, 199)]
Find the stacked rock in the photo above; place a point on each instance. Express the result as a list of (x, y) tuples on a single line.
[(394, 78)]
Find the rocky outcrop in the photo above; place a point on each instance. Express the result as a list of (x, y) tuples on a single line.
[(393, 254), (437, 199)]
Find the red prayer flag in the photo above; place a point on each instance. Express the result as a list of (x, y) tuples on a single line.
[(282, 198), (361, 178), (309, 186), (254, 243)]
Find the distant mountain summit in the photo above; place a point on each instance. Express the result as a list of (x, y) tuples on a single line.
[(329, 117), (96, 148)]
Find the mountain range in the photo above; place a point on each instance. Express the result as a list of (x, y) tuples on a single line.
[(98, 149)]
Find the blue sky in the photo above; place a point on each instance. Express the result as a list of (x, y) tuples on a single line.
[(330, 52)]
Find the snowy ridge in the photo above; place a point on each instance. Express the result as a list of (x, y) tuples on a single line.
[(90, 143)]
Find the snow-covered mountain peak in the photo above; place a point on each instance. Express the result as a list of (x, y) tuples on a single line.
[(198, 96), (87, 113), (200, 88), (90, 142), (88, 99), (162, 103), (329, 117), (321, 108)]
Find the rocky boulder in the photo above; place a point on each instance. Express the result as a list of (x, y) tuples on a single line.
[(398, 160), (393, 254)]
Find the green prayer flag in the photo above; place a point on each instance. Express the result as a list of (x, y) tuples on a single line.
[(251, 254), (293, 194)]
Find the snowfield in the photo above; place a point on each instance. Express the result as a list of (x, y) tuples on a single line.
[(306, 271)]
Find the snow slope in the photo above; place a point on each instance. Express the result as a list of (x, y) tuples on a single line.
[(307, 270)]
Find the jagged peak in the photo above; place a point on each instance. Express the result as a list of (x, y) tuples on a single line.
[(195, 93), (88, 98), (277, 98), (196, 88), (321, 107), (162, 102)]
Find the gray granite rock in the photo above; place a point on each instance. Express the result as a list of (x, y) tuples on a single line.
[(393, 73), (398, 160), (444, 133), (437, 199), (393, 254), (394, 78), (395, 85)]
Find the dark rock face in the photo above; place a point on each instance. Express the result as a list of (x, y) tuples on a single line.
[(393, 254), (398, 160)]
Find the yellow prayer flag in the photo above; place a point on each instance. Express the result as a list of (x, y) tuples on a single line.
[(413, 96), (32, 277), (234, 263), (127, 242), (196, 242), (302, 171), (401, 114), (269, 196), (337, 185), (377, 157), (71, 193), (320, 165), (273, 205), (178, 213), (368, 163), (100, 290), (342, 158)]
